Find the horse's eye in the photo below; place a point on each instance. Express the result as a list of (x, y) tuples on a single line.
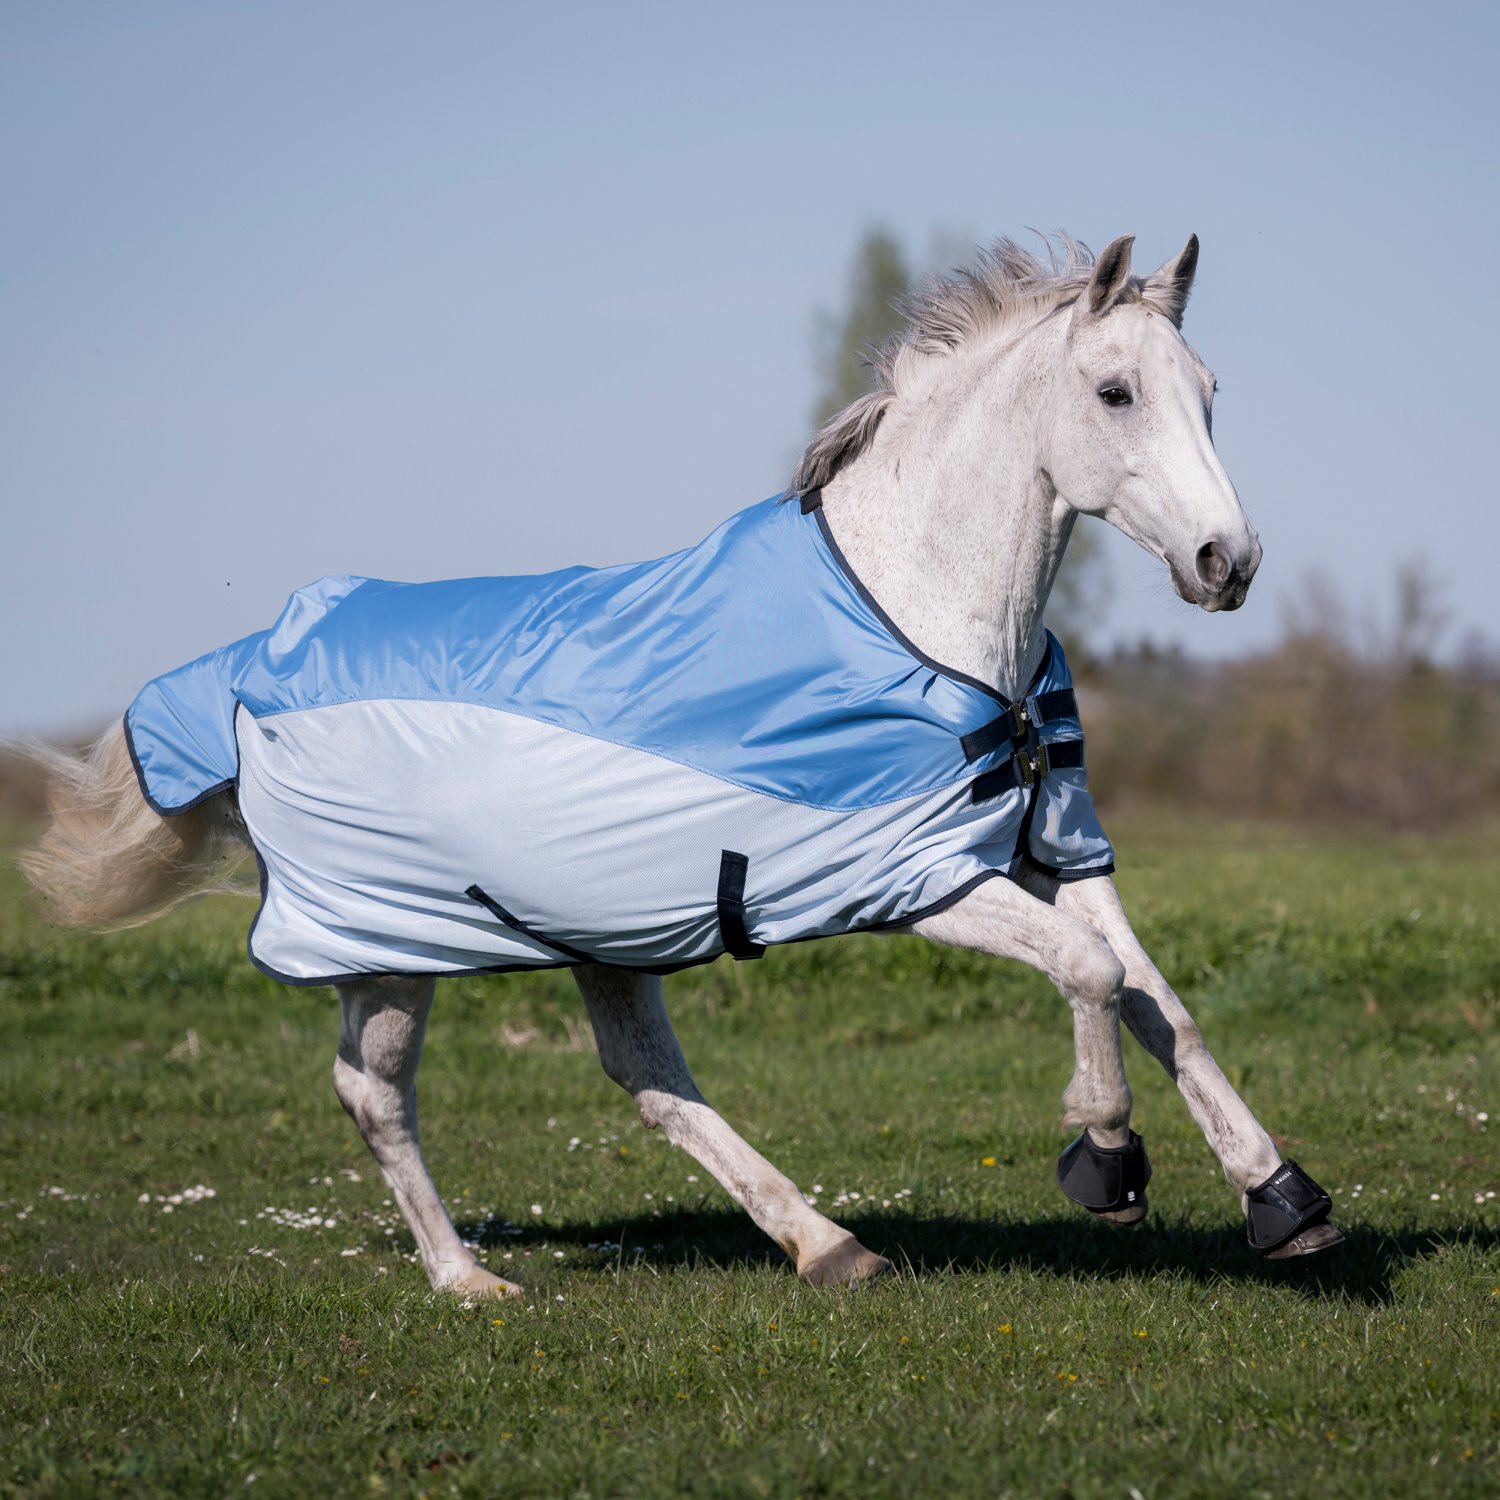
[(1114, 395)]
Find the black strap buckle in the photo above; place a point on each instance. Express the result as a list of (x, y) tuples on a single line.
[(1033, 764), (1019, 721)]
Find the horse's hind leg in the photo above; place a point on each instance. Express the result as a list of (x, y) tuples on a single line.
[(639, 1051), (380, 1046)]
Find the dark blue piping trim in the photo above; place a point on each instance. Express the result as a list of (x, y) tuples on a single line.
[(325, 979), (933, 908), (659, 970), (910, 646), (1067, 876), (336, 979), (895, 630), (151, 802)]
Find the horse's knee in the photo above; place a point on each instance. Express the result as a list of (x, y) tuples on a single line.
[(1092, 974)]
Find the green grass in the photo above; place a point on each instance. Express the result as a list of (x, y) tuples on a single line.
[(1348, 985)]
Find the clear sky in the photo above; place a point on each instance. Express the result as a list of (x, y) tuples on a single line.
[(419, 291)]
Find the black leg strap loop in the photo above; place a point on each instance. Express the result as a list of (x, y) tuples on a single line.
[(1101, 1179), (733, 869), (1285, 1204)]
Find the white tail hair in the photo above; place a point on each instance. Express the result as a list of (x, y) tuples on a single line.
[(105, 858)]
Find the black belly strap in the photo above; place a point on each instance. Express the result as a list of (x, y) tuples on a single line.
[(733, 933)]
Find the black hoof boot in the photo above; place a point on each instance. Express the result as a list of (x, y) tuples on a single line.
[(1285, 1210), (1110, 1183)]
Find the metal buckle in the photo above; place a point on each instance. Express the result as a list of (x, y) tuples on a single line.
[(1019, 717), (1033, 764)]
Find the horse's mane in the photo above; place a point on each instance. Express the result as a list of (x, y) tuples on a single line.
[(1008, 291)]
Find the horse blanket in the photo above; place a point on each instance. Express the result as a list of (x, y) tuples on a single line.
[(644, 765)]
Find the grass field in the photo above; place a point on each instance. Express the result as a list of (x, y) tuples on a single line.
[(275, 1338)]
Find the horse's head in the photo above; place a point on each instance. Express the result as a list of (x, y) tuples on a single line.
[(1129, 437)]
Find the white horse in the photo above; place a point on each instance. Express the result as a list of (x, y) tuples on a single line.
[(1020, 396)]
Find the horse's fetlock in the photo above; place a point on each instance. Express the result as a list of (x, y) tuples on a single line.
[(1097, 1110)]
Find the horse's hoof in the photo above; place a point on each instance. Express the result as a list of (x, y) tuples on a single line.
[(476, 1284), (1128, 1217), (848, 1264), (1319, 1237)]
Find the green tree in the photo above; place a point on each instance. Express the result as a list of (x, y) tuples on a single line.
[(1081, 596), (878, 279)]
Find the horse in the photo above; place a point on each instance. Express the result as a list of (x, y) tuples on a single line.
[(844, 705)]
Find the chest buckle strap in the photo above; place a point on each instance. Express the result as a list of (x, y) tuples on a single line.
[(1027, 767), (1033, 764), (1017, 722)]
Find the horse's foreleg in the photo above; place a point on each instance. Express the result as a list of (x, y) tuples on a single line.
[(1000, 918), (640, 1052), (1161, 1024), (380, 1046)]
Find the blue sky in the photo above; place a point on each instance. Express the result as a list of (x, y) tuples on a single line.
[(424, 291)]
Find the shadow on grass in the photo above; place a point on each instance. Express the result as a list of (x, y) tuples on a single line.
[(1363, 1267)]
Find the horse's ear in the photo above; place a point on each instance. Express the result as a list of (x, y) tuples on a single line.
[(1170, 285), (1110, 273)]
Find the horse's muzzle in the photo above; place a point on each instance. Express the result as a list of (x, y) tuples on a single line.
[(1220, 576)]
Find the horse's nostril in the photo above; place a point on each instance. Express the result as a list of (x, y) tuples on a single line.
[(1214, 565)]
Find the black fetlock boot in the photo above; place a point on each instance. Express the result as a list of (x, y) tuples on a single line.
[(1108, 1182), (1289, 1215)]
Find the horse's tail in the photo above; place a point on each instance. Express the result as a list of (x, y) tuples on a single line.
[(105, 858)]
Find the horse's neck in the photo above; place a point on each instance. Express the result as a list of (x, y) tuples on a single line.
[(951, 522)]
